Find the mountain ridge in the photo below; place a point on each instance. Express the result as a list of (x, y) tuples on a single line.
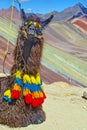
[(65, 15)]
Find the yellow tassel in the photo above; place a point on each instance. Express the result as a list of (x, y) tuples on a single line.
[(18, 74), (17, 87), (38, 78), (7, 93), (26, 91), (26, 78), (33, 80)]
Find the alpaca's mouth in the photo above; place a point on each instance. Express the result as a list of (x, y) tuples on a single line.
[(34, 31)]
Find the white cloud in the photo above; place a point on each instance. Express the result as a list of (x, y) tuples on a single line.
[(29, 9)]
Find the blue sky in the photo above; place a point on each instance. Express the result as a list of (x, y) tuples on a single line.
[(42, 6)]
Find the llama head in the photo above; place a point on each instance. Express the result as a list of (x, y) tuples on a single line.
[(33, 25), (33, 28)]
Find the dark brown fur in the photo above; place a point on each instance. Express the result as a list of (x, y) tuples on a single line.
[(18, 114)]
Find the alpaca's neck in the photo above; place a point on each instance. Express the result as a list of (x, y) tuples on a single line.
[(28, 55)]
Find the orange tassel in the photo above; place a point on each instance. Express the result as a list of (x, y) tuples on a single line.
[(16, 87)]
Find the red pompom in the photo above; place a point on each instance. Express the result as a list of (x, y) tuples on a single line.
[(28, 99), (37, 102), (15, 94)]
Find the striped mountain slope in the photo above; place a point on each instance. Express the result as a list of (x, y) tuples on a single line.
[(80, 24), (64, 54)]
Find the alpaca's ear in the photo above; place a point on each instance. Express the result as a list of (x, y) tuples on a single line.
[(23, 15), (47, 21)]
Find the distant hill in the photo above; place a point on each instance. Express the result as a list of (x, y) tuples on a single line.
[(67, 14), (70, 13), (7, 12)]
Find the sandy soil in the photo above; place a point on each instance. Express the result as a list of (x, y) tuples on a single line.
[(65, 109)]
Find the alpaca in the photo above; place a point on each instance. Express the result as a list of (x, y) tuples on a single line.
[(21, 93)]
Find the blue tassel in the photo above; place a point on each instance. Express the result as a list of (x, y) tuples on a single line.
[(7, 99), (18, 81), (32, 87)]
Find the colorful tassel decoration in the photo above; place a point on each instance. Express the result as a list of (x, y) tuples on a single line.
[(15, 94), (7, 96), (26, 91), (32, 90)]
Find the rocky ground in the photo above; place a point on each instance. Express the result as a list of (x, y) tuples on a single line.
[(65, 109)]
